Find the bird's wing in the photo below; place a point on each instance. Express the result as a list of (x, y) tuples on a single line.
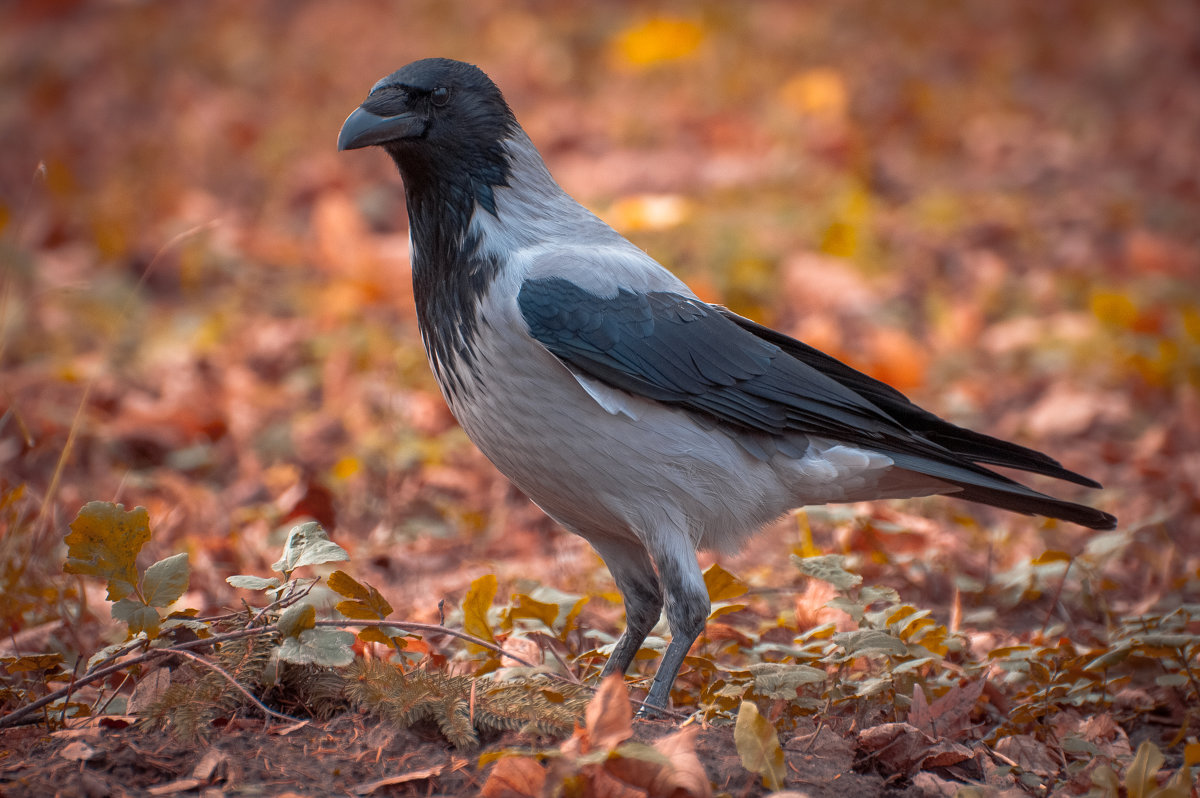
[(679, 350), (972, 445), (703, 359)]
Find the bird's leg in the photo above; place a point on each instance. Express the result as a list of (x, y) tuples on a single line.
[(688, 606), (634, 574)]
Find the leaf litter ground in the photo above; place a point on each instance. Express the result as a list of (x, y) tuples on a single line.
[(206, 314)]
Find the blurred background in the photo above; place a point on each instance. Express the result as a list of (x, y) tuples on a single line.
[(205, 309)]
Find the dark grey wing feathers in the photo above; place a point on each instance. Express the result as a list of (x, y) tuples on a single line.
[(973, 445), (734, 372)]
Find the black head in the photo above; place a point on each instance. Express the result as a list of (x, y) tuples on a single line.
[(437, 118)]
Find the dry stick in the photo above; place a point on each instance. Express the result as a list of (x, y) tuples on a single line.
[(17, 715)]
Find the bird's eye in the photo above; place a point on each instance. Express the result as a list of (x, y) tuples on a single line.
[(440, 96)]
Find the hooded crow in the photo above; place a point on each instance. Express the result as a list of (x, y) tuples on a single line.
[(648, 422)]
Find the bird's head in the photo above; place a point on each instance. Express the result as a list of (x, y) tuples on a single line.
[(435, 117)]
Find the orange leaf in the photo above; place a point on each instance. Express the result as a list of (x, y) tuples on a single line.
[(610, 715), (515, 777)]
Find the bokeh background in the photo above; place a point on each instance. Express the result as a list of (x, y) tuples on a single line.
[(205, 309)]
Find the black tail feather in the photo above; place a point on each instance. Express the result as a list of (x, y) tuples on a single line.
[(965, 451), (1038, 505)]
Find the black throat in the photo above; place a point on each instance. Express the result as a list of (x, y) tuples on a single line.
[(444, 187)]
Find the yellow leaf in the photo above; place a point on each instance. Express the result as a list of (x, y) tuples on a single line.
[(104, 541), (364, 602), (572, 618), (373, 634), (475, 606), (722, 585), (807, 547), (1140, 778), (526, 607), (657, 40), (1191, 754), (1051, 555), (758, 746), (343, 584)]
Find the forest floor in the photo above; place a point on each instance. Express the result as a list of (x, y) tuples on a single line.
[(205, 311)]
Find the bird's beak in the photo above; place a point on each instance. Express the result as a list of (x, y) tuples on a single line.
[(364, 129)]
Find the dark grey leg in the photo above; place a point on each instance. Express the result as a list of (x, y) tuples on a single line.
[(634, 574), (687, 611)]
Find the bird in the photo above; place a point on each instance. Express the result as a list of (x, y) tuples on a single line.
[(637, 416)]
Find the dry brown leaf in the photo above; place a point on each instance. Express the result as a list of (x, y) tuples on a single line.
[(824, 746), (609, 715), (209, 764), (689, 775), (948, 716), (1030, 753), (177, 786), (78, 751), (931, 786), (919, 714), (515, 777), (148, 689), (906, 749), (522, 647), (368, 787)]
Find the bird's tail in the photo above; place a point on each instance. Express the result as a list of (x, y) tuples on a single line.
[(978, 484)]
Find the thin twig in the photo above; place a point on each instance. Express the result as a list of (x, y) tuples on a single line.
[(229, 678), (19, 714)]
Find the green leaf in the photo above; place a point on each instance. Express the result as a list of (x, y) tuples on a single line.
[(475, 606), (104, 541), (166, 580), (828, 568), (758, 746), (140, 617), (248, 582), (308, 544), (328, 647), (296, 619), (722, 585)]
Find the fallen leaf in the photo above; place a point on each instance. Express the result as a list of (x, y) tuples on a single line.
[(515, 777), (758, 746), (368, 787), (78, 751), (688, 773), (1030, 753), (609, 715), (148, 689)]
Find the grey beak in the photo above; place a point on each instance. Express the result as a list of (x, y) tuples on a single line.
[(364, 129)]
